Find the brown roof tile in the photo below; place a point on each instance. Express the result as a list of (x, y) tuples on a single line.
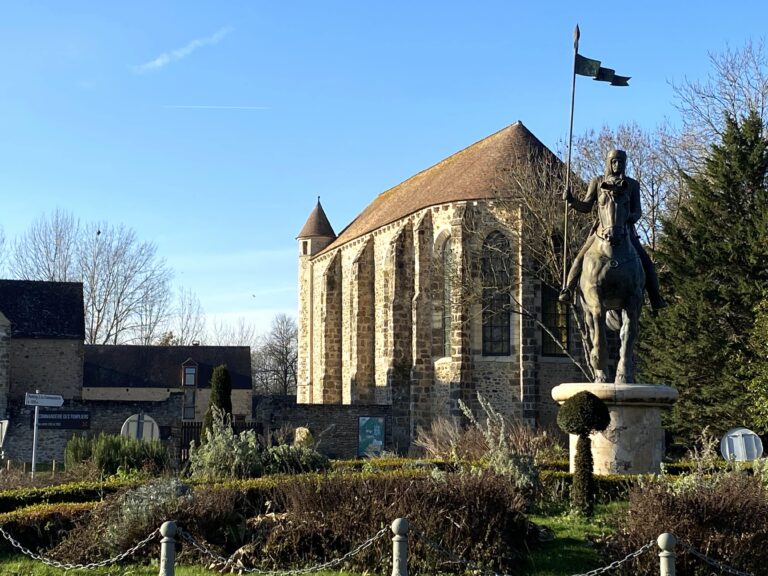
[(317, 224), (470, 174)]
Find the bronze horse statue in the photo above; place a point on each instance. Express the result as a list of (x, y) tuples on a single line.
[(612, 280)]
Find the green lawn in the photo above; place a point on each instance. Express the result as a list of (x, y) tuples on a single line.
[(571, 551)]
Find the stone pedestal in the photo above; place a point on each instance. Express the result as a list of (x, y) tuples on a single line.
[(633, 443)]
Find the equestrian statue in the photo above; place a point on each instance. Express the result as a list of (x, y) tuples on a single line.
[(608, 276)]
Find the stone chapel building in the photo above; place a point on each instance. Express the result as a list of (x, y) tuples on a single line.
[(387, 315)]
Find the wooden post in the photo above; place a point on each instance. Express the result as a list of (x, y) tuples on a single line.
[(53, 468)]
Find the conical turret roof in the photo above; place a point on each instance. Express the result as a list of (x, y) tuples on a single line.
[(317, 225)]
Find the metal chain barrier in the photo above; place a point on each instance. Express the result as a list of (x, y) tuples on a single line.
[(65, 566), (228, 562), (450, 555), (711, 561), (473, 566), (615, 564)]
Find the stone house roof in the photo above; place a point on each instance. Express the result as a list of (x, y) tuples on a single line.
[(471, 174), (45, 310), (126, 366), (317, 224)]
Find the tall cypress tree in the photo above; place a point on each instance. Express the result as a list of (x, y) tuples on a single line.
[(221, 396), (714, 265)]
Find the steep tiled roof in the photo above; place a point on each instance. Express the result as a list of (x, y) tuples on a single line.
[(160, 366), (39, 309), (470, 174), (317, 224)]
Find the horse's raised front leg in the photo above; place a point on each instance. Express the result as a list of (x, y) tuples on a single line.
[(625, 369)]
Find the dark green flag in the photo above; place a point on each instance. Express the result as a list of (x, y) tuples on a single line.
[(588, 67)]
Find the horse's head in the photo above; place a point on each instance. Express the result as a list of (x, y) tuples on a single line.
[(613, 212)]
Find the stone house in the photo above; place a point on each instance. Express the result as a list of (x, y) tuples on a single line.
[(42, 348), (416, 303)]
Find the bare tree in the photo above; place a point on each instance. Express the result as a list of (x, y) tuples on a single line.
[(120, 276), (528, 204), (275, 359), (239, 333), (126, 286), (189, 322), (3, 253), (48, 249), (661, 183)]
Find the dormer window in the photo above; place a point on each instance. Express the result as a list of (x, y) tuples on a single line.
[(189, 373), (190, 376)]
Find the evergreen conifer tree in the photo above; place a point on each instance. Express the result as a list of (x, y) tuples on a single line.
[(714, 265), (221, 397)]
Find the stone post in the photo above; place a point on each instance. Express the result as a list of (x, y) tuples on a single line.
[(400, 547), (167, 548), (667, 544)]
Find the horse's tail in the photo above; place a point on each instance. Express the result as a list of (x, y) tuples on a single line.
[(613, 320)]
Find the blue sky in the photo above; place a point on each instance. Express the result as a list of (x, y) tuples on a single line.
[(211, 127)]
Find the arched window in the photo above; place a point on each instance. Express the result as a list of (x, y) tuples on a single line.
[(496, 276), (447, 280)]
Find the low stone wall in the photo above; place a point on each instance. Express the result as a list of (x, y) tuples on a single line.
[(335, 425), (103, 416)]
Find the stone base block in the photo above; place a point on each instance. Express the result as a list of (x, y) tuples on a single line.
[(633, 443)]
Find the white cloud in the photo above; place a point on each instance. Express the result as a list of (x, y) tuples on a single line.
[(179, 53)]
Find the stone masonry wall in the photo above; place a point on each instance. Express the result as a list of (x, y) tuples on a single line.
[(387, 318), (105, 416), (51, 366), (335, 426), (5, 363)]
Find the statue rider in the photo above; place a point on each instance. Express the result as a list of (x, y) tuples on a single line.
[(614, 179)]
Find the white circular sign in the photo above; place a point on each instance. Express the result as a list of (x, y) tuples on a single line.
[(741, 445), (140, 426)]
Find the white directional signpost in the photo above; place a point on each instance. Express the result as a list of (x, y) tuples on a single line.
[(37, 400)]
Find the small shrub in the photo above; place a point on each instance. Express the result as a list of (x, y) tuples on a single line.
[(287, 459), (111, 452), (225, 454), (77, 451)]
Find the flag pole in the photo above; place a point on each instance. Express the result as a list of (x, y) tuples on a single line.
[(576, 35)]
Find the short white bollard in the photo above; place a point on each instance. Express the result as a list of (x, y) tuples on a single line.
[(667, 543), (167, 548), (400, 547)]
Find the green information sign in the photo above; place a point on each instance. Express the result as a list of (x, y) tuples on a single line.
[(370, 435)]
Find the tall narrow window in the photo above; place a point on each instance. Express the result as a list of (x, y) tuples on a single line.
[(496, 276), (554, 316), (447, 281), (189, 386), (188, 406)]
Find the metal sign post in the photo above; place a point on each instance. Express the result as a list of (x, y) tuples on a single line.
[(34, 438), (38, 400)]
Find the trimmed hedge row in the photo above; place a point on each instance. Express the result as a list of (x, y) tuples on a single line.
[(71, 492)]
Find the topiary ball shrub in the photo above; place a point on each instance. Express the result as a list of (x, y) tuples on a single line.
[(583, 413)]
